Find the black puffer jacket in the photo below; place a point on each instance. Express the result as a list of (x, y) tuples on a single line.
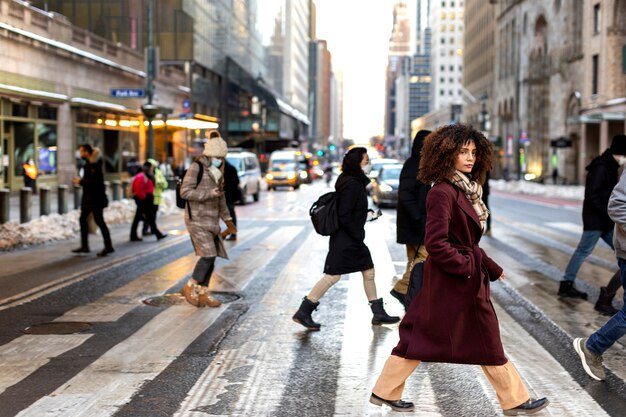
[(601, 179), (347, 253), (411, 219)]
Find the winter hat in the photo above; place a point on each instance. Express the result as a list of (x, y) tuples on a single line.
[(215, 146), (618, 145)]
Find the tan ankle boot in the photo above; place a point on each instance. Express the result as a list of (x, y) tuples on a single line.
[(206, 299), (189, 292)]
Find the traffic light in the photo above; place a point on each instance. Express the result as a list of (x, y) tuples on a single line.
[(320, 153), (331, 147)]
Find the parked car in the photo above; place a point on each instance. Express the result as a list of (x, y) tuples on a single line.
[(283, 170), (377, 164), (385, 186), (247, 165)]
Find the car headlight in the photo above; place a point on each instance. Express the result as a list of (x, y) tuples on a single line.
[(269, 177), (385, 188), (303, 175), (291, 175)]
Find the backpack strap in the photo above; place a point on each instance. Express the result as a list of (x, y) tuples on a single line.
[(198, 179)]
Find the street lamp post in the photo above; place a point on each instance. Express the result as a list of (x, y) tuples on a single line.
[(148, 109)]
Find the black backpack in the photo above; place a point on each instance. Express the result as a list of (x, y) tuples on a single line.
[(180, 201), (324, 214)]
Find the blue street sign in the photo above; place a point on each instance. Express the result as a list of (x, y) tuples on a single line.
[(128, 92)]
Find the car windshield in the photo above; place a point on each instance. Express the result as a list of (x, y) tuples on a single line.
[(236, 162), (282, 166), (390, 173)]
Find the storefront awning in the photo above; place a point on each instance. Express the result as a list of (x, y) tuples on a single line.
[(21, 91), (188, 121), (104, 105), (596, 117)]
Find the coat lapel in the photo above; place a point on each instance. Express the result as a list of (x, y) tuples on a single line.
[(466, 206)]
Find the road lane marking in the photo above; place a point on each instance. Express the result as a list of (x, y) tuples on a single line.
[(24, 355), (109, 382), (116, 304), (235, 276), (257, 370)]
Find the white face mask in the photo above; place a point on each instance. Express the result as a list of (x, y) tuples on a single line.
[(216, 162), (367, 168)]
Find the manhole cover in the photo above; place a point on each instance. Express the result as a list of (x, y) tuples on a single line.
[(167, 300), (67, 327), (163, 300)]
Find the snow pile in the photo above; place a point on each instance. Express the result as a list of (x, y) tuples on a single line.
[(569, 192), (59, 227)]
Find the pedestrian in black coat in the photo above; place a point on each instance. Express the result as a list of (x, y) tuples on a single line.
[(601, 179), (232, 192), (347, 251), (411, 214), (94, 199)]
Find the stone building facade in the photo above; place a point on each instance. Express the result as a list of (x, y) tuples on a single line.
[(55, 94)]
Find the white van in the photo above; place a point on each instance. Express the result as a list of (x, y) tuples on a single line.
[(247, 165)]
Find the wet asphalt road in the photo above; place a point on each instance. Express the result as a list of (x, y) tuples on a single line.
[(247, 358)]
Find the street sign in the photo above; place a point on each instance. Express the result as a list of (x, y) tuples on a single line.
[(128, 92)]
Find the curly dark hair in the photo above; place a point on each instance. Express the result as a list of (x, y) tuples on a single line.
[(351, 164), (441, 147)]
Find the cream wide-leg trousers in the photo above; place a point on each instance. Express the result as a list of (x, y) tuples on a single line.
[(505, 380)]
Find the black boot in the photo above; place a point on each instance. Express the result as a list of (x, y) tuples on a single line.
[(380, 315), (303, 315), (566, 289), (604, 303)]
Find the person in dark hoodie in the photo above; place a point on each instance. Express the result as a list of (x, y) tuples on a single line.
[(94, 199), (347, 251), (411, 215), (601, 179)]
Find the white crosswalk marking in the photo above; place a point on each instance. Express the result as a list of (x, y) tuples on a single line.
[(26, 354), (258, 369), (109, 382)]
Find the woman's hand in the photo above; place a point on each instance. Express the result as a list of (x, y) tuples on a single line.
[(216, 193), (503, 276)]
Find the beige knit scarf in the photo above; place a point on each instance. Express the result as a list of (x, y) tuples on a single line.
[(474, 192)]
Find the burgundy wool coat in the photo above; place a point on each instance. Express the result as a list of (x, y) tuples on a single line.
[(452, 319)]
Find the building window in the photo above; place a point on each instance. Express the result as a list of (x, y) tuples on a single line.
[(443, 4), (19, 110), (594, 69), (451, 67), (597, 18), (450, 92), (442, 80), (443, 68), (443, 41), (441, 92)]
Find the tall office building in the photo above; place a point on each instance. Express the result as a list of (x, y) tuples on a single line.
[(446, 22), (399, 55), (295, 72), (420, 79)]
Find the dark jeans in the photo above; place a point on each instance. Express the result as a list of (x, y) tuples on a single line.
[(231, 210), (203, 270), (84, 229), (146, 226), (144, 212), (615, 328)]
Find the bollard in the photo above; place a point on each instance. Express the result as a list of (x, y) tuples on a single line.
[(5, 205), (26, 210), (44, 201), (78, 195), (125, 188), (62, 199), (117, 185)]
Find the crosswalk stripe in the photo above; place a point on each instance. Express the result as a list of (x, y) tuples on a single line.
[(111, 380), (258, 368), (544, 375), (235, 276), (24, 355)]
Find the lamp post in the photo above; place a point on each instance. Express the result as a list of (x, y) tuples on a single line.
[(149, 110)]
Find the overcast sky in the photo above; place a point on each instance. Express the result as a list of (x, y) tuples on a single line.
[(358, 34)]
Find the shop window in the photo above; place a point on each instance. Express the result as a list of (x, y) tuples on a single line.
[(597, 18), (129, 146), (47, 113), (87, 136), (24, 145), (19, 110), (47, 148)]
